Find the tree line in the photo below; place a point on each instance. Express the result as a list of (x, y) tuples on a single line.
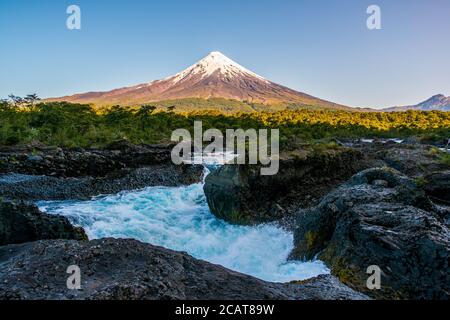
[(24, 120)]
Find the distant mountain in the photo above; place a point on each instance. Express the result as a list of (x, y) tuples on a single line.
[(215, 76), (437, 102)]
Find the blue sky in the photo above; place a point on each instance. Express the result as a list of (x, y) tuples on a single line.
[(321, 47)]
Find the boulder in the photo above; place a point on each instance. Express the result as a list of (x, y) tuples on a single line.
[(392, 225), (437, 186), (120, 269), (240, 194), (20, 222)]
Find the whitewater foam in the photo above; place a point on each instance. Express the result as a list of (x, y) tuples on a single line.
[(179, 219)]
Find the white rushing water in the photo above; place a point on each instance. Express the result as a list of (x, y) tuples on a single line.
[(179, 218)]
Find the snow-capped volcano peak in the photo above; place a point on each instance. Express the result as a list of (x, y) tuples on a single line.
[(214, 76), (215, 62)]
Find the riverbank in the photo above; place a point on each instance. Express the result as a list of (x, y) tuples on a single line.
[(36, 172), (28, 174), (393, 212)]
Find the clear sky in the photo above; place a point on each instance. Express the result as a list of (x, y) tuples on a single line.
[(320, 47)]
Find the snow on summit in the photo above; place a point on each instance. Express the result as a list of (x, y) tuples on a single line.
[(215, 61), (214, 76)]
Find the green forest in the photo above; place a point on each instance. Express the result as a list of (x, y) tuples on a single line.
[(78, 125)]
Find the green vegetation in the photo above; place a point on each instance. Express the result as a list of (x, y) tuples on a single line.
[(421, 181), (444, 158), (72, 125), (223, 105)]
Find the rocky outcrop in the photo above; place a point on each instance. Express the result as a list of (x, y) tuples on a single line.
[(114, 269), (420, 162), (33, 188), (437, 186), (380, 217), (239, 194), (20, 222), (43, 173), (412, 160), (36, 159)]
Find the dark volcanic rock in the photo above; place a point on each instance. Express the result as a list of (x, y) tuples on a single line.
[(128, 269), (421, 162), (35, 172), (24, 187), (437, 186), (324, 287), (79, 162), (239, 194), (411, 160), (24, 222), (392, 225)]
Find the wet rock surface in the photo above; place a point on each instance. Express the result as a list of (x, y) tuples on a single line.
[(128, 269), (393, 225), (20, 222)]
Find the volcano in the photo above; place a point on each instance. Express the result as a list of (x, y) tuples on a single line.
[(437, 102), (215, 76)]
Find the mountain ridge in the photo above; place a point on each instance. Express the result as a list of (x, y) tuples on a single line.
[(437, 102), (214, 76)]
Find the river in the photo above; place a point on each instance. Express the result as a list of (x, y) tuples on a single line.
[(178, 218)]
